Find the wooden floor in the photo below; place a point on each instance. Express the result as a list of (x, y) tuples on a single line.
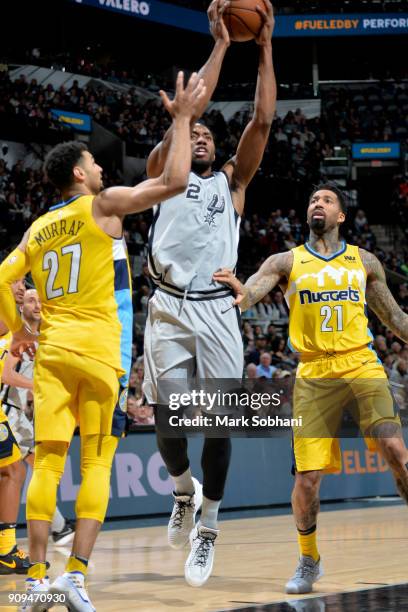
[(134, 569)]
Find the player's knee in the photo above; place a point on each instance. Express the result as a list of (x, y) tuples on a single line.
[(93, 496), (42, 495), (19, 473), (394, 452), (307, 482), (6, 472), (96, 472), (14, 472)]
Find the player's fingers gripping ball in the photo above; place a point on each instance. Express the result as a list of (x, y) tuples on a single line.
[(243, 19)]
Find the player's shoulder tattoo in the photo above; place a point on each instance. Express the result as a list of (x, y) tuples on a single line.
[(282, 263), (372, 265)]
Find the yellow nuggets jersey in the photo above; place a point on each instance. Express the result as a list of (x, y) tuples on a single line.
[(83, 280), (329, 327), (326, 299)]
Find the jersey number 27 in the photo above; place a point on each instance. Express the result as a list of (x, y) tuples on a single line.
[(51, 262)]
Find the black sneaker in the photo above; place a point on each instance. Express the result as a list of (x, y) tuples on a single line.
[(66, 535), (16, 562)]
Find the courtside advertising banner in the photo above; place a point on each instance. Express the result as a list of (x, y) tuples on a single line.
[(141, 485), (376, 150), (343, 24), (78, 121)]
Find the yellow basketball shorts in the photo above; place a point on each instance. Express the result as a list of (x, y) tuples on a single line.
[(324, 389), (72, 389), (9, 449)]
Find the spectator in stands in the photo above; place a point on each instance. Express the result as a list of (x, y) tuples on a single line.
[(265, 369), (282, 357), (264, 312), (389, 337), (403, 296), (138, 412), (247, 333), (260, 347), (280, 312), (144, 293), (380, 346), (396, 347), (360, 220), (271, 333), (399, 381), (399, 372), (251, 371), (258, 331), (388, 363)]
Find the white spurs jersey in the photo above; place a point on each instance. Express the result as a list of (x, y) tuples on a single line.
[(193, 235), (17, 396)]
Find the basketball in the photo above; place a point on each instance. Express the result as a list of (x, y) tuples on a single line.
[(243, 20)]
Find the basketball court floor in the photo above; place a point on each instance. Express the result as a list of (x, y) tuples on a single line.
[(364, 552)]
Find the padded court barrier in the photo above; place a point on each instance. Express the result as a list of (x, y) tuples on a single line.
[(259, 475)]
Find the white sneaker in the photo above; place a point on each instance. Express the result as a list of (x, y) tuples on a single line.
[(36, 587), (182, 518), (72, 585), (200, 561), (307, 572)]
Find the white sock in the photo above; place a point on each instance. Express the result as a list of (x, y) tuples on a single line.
[(183, 484), (58, 521), (209, 513)]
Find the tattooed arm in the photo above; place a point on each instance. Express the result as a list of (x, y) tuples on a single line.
[(380, 299), (275, 270)]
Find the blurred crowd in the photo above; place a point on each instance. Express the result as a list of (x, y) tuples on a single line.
[(297, 145), (375, 114)]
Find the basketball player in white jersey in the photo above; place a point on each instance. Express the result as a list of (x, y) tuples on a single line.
[(192, 329)]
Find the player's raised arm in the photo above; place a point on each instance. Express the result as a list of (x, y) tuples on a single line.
[(13, 267), (380, 299), (210, 73), (274, 270), (121, 201), (241, 168)]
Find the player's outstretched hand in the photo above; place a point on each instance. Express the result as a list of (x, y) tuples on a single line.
[(217, 25), (186, 98), (227, 277), (23, 341), (268, 19)]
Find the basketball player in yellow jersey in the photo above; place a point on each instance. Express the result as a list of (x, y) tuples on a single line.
[(12, 472), (328, 284), (79, 266)]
